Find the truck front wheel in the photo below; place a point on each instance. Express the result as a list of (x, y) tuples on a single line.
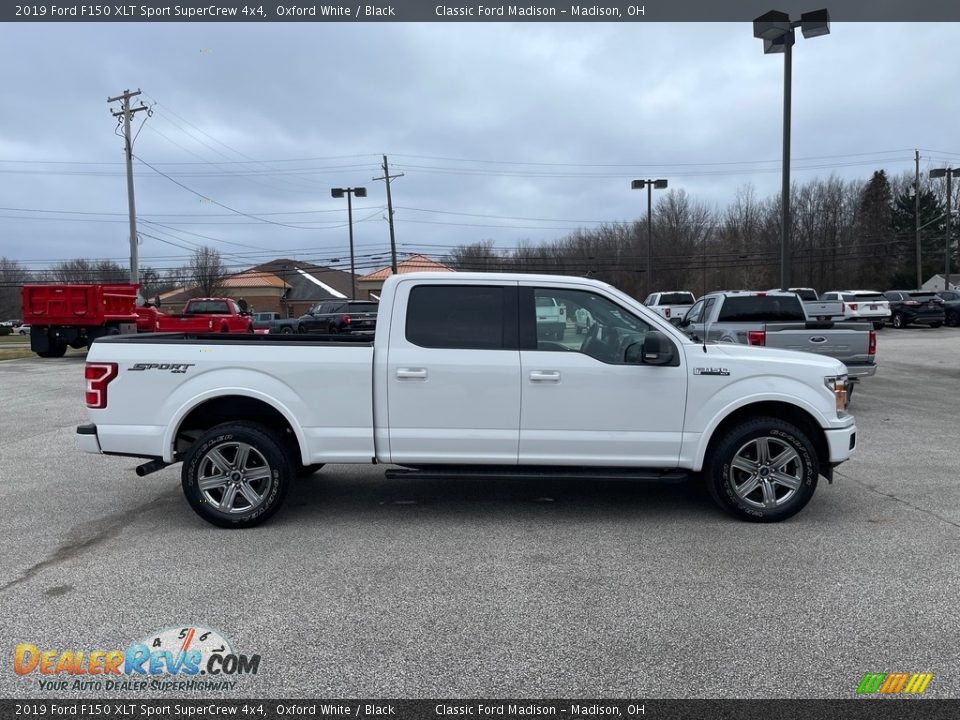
[(236, 475), (763, 470)]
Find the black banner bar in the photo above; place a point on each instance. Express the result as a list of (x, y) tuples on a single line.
[(470, 11), (854, 709)]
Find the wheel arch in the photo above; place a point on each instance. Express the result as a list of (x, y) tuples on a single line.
[(779, 409), (233, 407)]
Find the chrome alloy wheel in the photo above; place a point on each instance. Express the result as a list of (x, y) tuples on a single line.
[(766, 472), (234, 477)]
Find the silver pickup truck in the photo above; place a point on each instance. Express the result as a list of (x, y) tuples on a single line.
[(778, 319)]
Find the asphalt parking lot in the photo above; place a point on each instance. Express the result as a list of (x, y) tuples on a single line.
[(365, 587)]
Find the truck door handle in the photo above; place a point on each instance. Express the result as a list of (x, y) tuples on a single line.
[(545, 376), (414, 373)]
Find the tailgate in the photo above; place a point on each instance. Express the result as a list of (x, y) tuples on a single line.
[(849, 343)]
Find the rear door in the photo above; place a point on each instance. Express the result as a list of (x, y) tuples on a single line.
[(453, 374)]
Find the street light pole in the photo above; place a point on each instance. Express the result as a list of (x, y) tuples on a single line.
[(777, 32), (350, 192), (785, 180), (650, 185)]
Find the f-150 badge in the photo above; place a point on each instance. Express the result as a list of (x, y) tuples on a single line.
[(710, 371)]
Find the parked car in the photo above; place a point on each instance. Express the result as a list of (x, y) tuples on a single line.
[(25, 330), (455, 383), (915, 306), (551, 318), (672, 305), (867, 305), (951, 307), (274, 322), (584, 320), (341, 316)]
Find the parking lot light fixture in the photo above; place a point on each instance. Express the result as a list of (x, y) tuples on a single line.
[(350, 192), (777, 32), (649, 185), (949, 174)]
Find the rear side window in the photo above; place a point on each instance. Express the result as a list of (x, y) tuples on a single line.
[(678, 298), (768, 308), (806, 294), (459, 317), (363, 307)]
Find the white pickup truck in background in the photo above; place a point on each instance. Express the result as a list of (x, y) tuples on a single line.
[(672, 305), (457, 381)]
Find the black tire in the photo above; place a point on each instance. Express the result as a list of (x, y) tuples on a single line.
[(286, 330), (301, 329), (308, 470), (269, 458), (878, 325), (333, 330), (55, 350), (953, 318), (729, 485), (935, 325), (898, 321)]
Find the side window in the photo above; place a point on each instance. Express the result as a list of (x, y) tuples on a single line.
[(695, 314), (708, 308), (610, 331), (460, 317), (651, 299)]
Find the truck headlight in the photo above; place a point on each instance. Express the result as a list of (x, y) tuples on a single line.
[(837, 384)]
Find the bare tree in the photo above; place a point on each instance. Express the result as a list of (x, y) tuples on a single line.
[(12, 276), (207, 272)]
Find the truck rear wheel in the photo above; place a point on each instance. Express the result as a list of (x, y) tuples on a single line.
[(55, 350), (763, 470), (236, 475)]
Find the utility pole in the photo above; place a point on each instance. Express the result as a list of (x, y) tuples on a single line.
[(916, 215), (393, 241), (948, 173), (125, 113)]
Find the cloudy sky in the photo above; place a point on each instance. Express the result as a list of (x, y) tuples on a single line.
[(503, 131)]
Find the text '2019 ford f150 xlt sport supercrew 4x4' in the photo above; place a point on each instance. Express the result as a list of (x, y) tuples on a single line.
[(458, 381)]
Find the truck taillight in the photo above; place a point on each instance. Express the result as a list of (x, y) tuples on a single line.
[(98, 376), (345, 320), (872, 347), (756, 337), (852, 306), (666, 312)]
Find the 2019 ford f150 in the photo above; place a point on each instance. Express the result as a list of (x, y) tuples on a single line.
[(458, 381)]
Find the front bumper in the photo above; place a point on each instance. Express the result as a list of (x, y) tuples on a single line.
[(87, 438), (841, 442)]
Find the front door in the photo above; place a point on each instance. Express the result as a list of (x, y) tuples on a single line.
[(586, 400)]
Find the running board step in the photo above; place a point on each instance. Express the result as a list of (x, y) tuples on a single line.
[(538, 473)]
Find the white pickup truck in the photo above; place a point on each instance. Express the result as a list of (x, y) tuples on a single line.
[(458, 382)]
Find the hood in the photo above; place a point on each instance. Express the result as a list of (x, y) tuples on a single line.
[(828, 366)]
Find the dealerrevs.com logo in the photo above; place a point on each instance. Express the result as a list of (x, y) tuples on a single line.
[(899, 683), (174, 659)]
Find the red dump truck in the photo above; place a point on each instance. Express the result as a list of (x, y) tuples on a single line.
[(74, 315)]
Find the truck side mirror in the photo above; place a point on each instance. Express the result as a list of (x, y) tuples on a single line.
[(657, 349)]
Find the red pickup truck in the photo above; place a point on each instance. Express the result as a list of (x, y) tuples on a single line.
[(200, 315)]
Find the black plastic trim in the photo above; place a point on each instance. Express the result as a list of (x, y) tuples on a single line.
[(88, 429)]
